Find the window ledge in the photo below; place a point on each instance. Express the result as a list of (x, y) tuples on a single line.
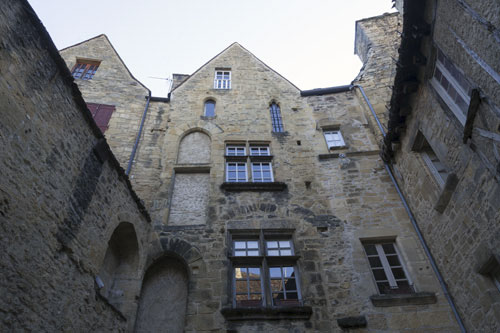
[(267, 313), (253, 186), (352, 153), (404, 299)]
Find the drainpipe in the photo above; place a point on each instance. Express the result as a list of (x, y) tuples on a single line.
[(138, 138), (413, 221)]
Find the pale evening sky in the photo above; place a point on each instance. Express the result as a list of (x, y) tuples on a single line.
[(311, 43)]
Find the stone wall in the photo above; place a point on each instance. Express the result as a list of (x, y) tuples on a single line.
[(460, 221), (376, 43), (333, 201), (62, 195), (112, 84)]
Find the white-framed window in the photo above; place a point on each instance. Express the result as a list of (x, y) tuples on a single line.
[(334, 139), (262, 172), (387, 269), (235, 150), (453, 87), (259, 151), (264, 272), (236, 172), (222, 79)]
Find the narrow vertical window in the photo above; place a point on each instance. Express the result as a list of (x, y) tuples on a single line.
[(276, 117), (209, 108)]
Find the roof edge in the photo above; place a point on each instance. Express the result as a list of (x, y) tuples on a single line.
[(325, 91)]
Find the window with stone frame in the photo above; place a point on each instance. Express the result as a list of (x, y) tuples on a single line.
[(334, 139), (430, 158), (259, 161), (209, 108), (387, 268), (264, 271), (85, 69), (452, 86), (276, 119), (222, 79)]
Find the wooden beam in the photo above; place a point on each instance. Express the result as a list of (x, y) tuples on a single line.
[(475, 100)]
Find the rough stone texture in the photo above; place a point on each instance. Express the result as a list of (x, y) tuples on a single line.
[(194, 148), (112, 84), (190, 199), (466, 232), (376, 43), (330, 204), (163, 298), (62, 193)]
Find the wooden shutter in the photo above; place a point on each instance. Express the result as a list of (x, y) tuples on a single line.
[(101, 114)]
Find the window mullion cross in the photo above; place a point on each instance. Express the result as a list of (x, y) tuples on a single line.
[(386, 266)]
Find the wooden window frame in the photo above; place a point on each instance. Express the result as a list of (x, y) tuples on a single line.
[(265, 262), (85, 69)]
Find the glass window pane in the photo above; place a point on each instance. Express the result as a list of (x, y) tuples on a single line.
[(239, 272), (393, 260), (253, 244), (239, 244), (375, 261), (272, 245), (398, 273), (286, 252), (255, 286), (256, 296), (240, 253), (379, 274), (253, 253), (389, 248), (254, 272), (241, 286), (284, 243), (370, 249), (273, 253), (275, 272), (288, 271)]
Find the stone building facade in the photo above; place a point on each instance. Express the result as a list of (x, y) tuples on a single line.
[(268, 208), (443, 141)]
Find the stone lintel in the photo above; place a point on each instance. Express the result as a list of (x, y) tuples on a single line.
[(352, 153), (267, 313), (404, 299), (352, 322), (251, 186)]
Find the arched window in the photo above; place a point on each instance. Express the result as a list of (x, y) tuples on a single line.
[(210, 108), (276, 117)]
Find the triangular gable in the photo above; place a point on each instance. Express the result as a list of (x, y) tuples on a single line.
[(223, 51), (114, 51)]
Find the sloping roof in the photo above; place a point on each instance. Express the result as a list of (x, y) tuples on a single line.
[(227, 48), (114, 50)]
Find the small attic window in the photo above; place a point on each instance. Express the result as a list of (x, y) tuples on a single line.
[(222, 79), (85, 69)]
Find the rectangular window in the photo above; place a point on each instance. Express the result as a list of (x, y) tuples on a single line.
[(222, 80), (236, 172), (268, 280), (259, 151), (276, 120), (235, 151), (453, 87), (85, 70), (387, 269), (437, 168), (334, 139), (262, 172)]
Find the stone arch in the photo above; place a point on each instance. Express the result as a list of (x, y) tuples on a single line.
[(194, 147), (163, 300), (119, 269)]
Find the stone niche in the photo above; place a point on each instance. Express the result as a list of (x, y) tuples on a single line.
[(194, 148), (189, 199), (163, 301)]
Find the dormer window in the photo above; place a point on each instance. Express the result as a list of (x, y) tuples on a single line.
[(85, 69), (222, 79)]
